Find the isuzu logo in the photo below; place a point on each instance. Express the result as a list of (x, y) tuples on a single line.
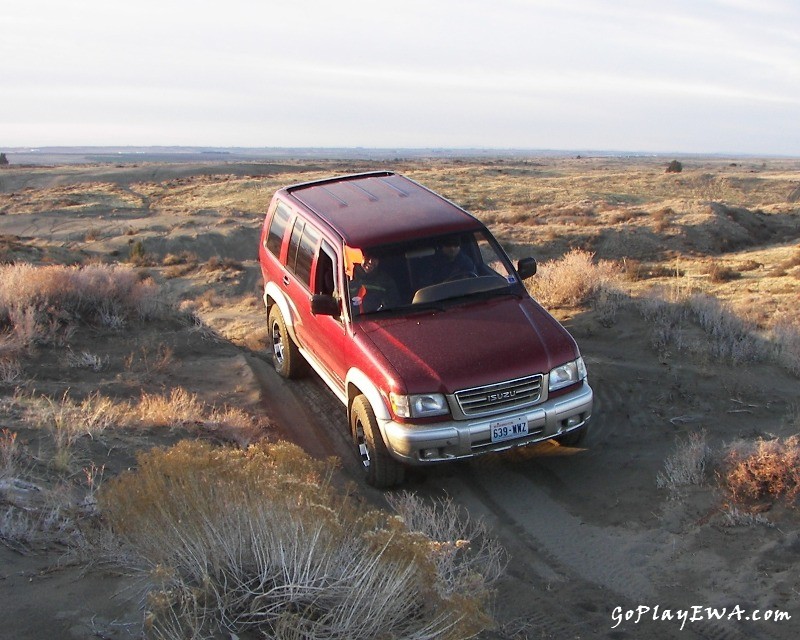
[(500, 395)]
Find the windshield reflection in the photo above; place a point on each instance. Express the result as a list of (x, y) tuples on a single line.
[(417, 274)]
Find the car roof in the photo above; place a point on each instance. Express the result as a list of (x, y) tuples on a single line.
[(371, 209)]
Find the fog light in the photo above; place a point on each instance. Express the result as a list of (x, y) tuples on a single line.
[(573, 421), (428, 454)]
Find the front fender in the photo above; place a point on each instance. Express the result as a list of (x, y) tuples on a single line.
[(357, 378)]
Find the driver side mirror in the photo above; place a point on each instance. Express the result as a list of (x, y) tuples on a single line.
[(324, 305), (526, 268)]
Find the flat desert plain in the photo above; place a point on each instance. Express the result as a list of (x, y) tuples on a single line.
[(682, 290)]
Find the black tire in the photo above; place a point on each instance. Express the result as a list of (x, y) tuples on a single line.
[(286, 357), (381, 470), (573, 438)]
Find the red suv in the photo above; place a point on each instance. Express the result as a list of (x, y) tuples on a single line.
[(410, 311)]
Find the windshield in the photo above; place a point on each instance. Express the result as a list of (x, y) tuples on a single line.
[(420, 272)]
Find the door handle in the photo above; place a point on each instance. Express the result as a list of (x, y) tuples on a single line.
[(286, 280)]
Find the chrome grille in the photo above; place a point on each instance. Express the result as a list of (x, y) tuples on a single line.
[(499, 397)]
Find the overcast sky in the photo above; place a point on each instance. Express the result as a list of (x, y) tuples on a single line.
[(707, 76)]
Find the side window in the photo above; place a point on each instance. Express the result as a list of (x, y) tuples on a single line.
[(302, 246), (276, 230), (305, 254), (325, 277), (294, 243)]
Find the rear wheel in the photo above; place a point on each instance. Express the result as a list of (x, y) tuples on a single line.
[(381, 470), (286, 357)]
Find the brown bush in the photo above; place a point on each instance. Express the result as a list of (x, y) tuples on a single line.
[(48, 295), (572, 280), (719, 274), (764, 469)]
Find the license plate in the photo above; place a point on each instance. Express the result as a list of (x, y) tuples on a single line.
[(508, 429)]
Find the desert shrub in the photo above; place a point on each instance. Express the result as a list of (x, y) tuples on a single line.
[(786, 337), (259, 541), (633, 270), (39, 304), (150, 359), (23, 528), (9, 453), (662, 219), (86, 360), (178, 408), (35, 516), (666, 320), (674, 166), (732, 338), (728, 336), (231, 424), (574, 279), (67, 420), (215, 263), (735, 517), (686, 465), (763, 469), (137, 254), (718, 273), (184, 257), (466, 556), (749, 265), (10, 372)]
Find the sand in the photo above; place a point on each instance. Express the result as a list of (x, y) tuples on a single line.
[(597, 549)]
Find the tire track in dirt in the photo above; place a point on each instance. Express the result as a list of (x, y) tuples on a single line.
[(306, 413), (565, 574)]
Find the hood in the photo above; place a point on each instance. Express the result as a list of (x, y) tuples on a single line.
[(470, 345)]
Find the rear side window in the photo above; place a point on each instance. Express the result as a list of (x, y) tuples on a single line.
[(277, 228), (302, 247)]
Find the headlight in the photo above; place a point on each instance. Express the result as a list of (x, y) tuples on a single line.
[(422, 405), (567, 374)]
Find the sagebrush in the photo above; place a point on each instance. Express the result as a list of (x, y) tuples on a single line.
[(572, 280), (686, 465), (259, 540), (42, 304)]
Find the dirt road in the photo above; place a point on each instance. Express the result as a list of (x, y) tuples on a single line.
[(589, 534)]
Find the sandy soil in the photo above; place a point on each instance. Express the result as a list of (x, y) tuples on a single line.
[(589, 533)]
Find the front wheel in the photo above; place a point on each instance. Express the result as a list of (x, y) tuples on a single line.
[(381, 470), (286, 356)]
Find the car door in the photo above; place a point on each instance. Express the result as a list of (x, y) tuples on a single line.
[(329, 341), (312, 267)]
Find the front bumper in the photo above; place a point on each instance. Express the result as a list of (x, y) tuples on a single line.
[(458, 439)]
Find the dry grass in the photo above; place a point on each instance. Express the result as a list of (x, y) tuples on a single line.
[(786, 338), (179, 408), (672, 314), (9, 454), (42, 304), (686, 465), (735, 517), (265, 545), (662, 230), (34, 514)]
